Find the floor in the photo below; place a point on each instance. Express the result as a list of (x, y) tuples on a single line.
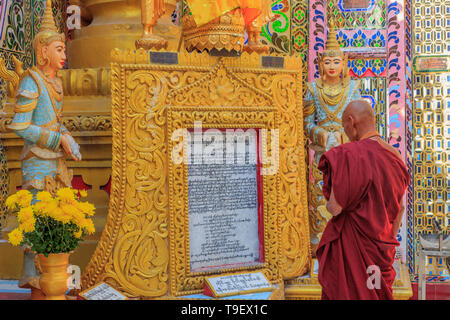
[(10, 291)]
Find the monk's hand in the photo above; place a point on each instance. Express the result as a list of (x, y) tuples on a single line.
[(65, 143)]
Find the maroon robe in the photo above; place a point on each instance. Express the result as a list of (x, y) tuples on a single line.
[(368, 181)]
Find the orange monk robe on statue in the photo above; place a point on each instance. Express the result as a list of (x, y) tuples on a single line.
[(205, 11)]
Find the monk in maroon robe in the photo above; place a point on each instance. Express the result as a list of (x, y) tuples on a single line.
[(364, 182)]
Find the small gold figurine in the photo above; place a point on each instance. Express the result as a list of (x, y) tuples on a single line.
[(151, 11)]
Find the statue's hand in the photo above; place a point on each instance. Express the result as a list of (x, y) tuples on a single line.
[(65, 143), (339, 137), (322, 138), (331, 142)]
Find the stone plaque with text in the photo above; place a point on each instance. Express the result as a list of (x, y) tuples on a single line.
[(236, 284), (223, 201)]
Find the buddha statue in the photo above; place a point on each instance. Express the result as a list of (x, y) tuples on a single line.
[(325, 100), (38, 120)]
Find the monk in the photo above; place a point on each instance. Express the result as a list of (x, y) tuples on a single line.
[(364, 182)]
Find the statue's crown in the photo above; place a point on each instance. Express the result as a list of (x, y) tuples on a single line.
[(332, 47), (47, 33), (48, 23)]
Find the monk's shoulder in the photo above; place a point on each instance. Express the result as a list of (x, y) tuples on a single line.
[(344, 151), (390, 148)]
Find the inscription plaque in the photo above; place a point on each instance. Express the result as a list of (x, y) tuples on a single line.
[(236, 284), (224, 211), (102, 291)]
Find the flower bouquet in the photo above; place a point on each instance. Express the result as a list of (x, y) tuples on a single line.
[(52, 226)]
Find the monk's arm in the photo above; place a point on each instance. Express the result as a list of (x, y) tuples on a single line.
[(398, 220), (332, 206)]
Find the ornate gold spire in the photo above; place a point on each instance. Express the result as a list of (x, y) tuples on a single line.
[(47, 22), (47, 34), (332, 47)]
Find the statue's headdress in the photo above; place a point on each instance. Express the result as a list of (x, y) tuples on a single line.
[(332, 47), (47, 33)]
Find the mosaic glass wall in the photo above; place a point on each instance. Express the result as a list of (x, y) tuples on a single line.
[(431, 121), (358, 14), (287, 32), (372, 33), (362, 34)]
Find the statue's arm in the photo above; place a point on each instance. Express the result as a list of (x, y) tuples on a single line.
[(21, 124), (315, 133)]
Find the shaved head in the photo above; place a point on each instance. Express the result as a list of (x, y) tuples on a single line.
[(358, 119)]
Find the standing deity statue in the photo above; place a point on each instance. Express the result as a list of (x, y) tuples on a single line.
[(151, 11), (325, 100), (254, 28), (38, 120)]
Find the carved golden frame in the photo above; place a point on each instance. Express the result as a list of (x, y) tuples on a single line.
[(182, 280), (133, 252)]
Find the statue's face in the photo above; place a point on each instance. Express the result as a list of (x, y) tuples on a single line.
[(55, 52), (332, 66)]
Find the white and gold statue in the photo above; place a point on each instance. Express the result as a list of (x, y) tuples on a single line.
[(38, 120), (324, 102)]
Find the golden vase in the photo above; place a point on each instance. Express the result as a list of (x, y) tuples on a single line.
[(53, 280)]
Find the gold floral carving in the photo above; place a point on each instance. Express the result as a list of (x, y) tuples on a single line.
[(182, 281), (87, 123), (226, 32), (318, 215), (86, 82), (72, 123), (134, 254)]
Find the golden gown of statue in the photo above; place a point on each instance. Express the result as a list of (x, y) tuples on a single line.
[(324, 102)]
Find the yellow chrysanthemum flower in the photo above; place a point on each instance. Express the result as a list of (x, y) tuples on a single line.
[(66, 194), (24, 198), (88, 226), (83, 193), (64, 218), (11, 202), (39, 208), (28, 225), (73, 211), (78, 234), (56, 213), (44, 196), (87, 208), (46, 208), (15, 237), (25, 214)]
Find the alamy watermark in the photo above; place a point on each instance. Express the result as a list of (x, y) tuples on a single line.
[(374, 280), (226, 146), (74, 279), (73, 17)]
